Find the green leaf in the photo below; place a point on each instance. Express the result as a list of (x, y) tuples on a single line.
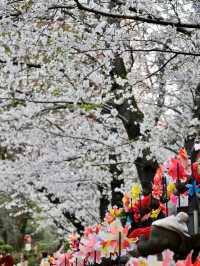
[(7, 49)]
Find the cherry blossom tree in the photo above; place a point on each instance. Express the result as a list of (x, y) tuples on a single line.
[(93, 95)]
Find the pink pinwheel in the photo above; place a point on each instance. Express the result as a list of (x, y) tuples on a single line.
[(65, 260), (173, 199), (110, 238), (109, 218), (167, 257), (88, 231), (92, 230), (112, 214), (187, 262), (90, 244), (197, 262), (73, 237), (133, 262)]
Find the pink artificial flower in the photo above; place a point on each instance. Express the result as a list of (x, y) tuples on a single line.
[(167, 257), (109, 218), (126, 201), (88, 231), (173, 199), (157, 192), (113, 230), (65, 259), (125, 230)]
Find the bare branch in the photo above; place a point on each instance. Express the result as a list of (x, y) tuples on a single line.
[(65, 160), (144, 50), (162, 67), (157, 71), (84, 139), (165, 106), (61, 7), (48, 102), (138, 18)]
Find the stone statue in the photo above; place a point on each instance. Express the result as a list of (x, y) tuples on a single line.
[(169, 233)]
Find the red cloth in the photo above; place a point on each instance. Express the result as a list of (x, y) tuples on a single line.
[(195, 172), (140, 231), (146, 201), (8, 260), (197, 262)]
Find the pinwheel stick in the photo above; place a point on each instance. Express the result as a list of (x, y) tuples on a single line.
[(178, 179), (140, 208), (165, 193), (119, 255), (132, 206), (95, 257), (195, 211), (110, 260)]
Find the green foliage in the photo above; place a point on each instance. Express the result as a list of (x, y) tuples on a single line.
[(56, 92), (47, 247), (89, 106), (43, 247), (7, 49), (13, 227), (66, 246), (6, 248), (122, 214), (123, 217), (46, 239), (32, 259)]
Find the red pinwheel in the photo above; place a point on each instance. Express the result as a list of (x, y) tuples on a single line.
[(176, 170)]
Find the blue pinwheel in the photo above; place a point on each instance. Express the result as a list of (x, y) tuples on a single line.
[(193, 188), (129, 220)]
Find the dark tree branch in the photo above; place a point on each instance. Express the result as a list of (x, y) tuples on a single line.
[(73, 219), (162, 67), (164, 51), (31, 65), (68, 215), (81, 104), (65, 160), (61, 7), (138, 18), (79, 138), (14, 15), (175, 11), (109, 164), (190, 139), (144, 50), (165, 106)]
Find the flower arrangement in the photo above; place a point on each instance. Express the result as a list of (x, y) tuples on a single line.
[(122, 226), (100, 241), (170, 177)]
